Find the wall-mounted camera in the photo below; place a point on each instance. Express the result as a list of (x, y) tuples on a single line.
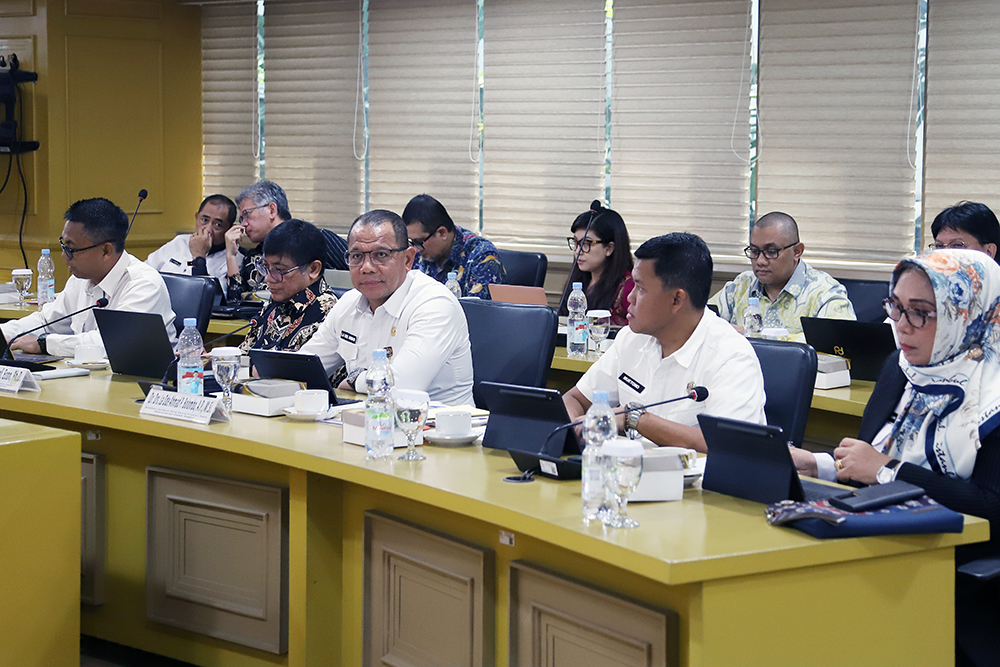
[(11, 76)]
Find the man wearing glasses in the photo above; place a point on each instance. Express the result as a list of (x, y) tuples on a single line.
[(300, 298), (787, 287), (204, 252), (967, 224), (93, 247), (414, 318), (445, 247)]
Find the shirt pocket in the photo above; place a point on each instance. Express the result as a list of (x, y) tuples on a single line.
[(347, 348)]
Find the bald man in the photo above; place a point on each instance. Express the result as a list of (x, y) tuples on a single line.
[(787, 287)]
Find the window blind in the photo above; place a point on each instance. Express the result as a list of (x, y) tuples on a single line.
[(834, 100), (680, 120)]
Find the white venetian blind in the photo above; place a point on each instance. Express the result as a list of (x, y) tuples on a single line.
[(229, 97), (680, 120), (963, 93), (422, 106), (544, 114), (834, 99), (311, 60)]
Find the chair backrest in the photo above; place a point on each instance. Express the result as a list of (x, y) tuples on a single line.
[(789, 378), (524, 268), (511, 342), (866, 297), (190, 296)]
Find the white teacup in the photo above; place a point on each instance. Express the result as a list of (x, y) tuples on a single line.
[(453, 422), (689, 457), (88, 354), (311, 401)]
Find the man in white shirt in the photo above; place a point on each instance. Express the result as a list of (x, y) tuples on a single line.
[(415, 318), (204, 252), (671, 345), (93, 247)]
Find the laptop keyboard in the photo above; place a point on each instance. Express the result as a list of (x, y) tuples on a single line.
[(817, 491)]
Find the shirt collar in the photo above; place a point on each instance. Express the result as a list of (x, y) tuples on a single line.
[(303, 299), (796, 283), (110, 281), (394, 304), (685, 355)]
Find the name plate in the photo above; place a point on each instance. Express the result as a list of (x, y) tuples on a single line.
[(15, 379), (186, 407)]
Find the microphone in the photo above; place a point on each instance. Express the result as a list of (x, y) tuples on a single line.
[(165, 382), (595, 212), (142, 196), (101, 303)]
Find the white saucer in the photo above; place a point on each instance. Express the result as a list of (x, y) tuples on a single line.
[(435, 438), (297, 416), (691, 476), (92, 365)]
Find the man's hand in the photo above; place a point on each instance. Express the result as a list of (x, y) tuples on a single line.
[(233, 237), (200, 243), (805, 462), (858, 460), (27, 343)]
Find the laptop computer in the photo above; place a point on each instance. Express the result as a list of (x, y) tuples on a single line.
[(866, 345), (36, 361), (752, 461), (282, 365), (534, 296), (136, 343)]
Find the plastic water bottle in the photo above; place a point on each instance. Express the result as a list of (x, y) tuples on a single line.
[(379, 409), (753, 319), (46, 278), (599, 426), (453, 286), (576, 329), (190, 370)]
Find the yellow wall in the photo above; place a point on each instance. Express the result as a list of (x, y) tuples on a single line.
[(117, 108)]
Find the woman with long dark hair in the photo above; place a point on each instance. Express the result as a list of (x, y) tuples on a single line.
[(604, 264)]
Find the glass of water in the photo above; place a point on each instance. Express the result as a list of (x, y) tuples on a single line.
[(411, 413), (623, 469), (600, 324), (226, 366), (22, 283)]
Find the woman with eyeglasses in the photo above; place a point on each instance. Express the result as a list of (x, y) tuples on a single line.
[(967, 224), (603, 262), (932, 417)]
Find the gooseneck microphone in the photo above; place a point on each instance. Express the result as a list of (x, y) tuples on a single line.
[(101, 303), (142, 196), (165, 382)]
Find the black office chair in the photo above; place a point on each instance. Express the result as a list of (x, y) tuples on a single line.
[(866, 297), (511, 342), (190, 296), (524, 268), (789, 378), (340, 291)]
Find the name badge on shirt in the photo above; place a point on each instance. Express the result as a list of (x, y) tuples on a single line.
[(174, 262), (624, 377), (349, 337)]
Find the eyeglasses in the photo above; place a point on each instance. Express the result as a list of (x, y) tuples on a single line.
[(277, 275), (954, 245), (753, 252), (916, 317), (244, 214), (379, 256), (72, 251), (586, 243), (419, 245), (220, 226)]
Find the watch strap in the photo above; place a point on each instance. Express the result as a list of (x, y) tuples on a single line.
[(43, 346)]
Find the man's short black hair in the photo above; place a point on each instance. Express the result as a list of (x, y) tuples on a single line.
[(296, 239), (221, 200), (973, 218), (429, 212), (382, 217), (681, 260), (102, 220)]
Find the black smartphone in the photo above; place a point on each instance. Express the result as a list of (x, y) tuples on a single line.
[(876, 496)]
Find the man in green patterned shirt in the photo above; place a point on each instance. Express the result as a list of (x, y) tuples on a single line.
[(787, 287)]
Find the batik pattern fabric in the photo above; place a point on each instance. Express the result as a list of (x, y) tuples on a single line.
[(473, 258), (287, 325)]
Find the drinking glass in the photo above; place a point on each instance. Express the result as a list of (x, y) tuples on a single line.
[(22, 283), (623, 468), (226, 366), (411, 413), (600, 324)]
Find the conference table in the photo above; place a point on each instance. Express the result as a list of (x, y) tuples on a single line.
[(444, 562)]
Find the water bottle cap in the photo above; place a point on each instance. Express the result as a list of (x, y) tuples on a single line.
[(452, 275), (379, 355), (600, 397), (46, 251), (190, 322), (578, 286), (754, 301)]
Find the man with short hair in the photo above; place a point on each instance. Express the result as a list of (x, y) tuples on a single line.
[(204, 252), (300, 297), (415, 319), (967, 224), (262, 207), (787, 287), (671, 345), (93, 247), (446, 247)]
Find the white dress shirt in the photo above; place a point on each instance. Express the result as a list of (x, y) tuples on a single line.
[(424, 325), (715, 357), (129, 285), (175, 257)]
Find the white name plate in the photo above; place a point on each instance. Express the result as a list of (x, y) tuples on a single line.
[(15, 379), (186, 407)]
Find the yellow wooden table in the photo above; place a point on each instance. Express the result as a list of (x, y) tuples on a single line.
[(746, 593)]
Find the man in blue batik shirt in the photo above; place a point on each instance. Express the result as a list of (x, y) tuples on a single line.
[(446, 247)]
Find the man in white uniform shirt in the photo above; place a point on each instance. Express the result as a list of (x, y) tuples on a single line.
[(93, 247), (204, 252), (672, 344), (415, 318)]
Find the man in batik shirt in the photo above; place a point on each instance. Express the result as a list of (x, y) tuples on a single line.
[(445, 247)]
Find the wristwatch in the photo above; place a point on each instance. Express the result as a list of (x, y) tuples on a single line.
[(42, 345), (635, 411), (887, 473)]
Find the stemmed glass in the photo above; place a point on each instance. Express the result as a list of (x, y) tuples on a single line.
[(600, 324), (623, 468), (22, 283), (226, 366), (411, 413)]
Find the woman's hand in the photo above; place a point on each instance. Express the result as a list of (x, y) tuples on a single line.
[(857, 460), (805, 462)]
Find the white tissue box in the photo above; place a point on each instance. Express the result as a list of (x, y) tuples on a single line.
[(258, 405), (833, 380), (354, 430), (662, 476)]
